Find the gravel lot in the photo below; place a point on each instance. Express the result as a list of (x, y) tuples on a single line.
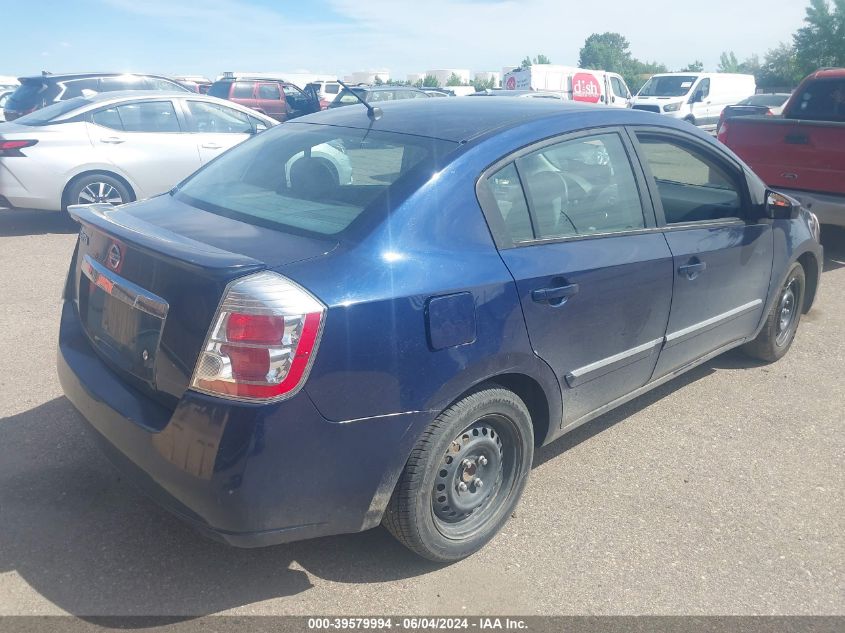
[(719, 493)]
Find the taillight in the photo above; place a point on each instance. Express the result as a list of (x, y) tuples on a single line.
[(722, 132), (13, 148), (262, 341)]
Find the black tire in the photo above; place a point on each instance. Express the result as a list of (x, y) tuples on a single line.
[(93, 188), (690, 120), (782, 321), (487, 432)]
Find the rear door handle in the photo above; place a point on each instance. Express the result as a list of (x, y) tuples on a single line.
[(211, 146), (112, 140), (691, 271), (555, 296)]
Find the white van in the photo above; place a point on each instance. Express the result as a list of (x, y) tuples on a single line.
[(695, 97), (575, 84)]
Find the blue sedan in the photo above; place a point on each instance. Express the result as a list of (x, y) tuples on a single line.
[(276, 352)]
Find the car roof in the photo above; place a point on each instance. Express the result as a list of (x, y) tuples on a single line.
[(461, 120), (387, 87), (829, 73), (66, 76)]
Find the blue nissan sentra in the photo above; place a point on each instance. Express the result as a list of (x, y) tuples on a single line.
[(375, 316)]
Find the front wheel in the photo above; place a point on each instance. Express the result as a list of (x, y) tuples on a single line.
[(464, 477), (782, 321)]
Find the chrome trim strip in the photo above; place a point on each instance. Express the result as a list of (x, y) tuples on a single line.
[(123, 289), (606, 365), (696, 328)]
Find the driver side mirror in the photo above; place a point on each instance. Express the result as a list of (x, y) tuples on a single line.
[(781, 207)]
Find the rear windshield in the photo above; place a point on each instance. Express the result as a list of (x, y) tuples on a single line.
[(32, 94), (346, 97), (45, 116), (220, 89), (667, 86), (313, 179), (821, 100), (770, 101)]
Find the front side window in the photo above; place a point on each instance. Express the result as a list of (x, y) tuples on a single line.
[(581, 187), (618, 87), (703, 90), (211, 118), (149, 116), (312, 179), (693, 187), (269, 91)]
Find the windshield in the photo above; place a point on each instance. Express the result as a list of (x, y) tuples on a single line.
[(311, 178), (220, 89), (46, 115), (667, 86)]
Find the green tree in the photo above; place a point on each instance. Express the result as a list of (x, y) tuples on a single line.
[(539, 59), (821, 41), (728, 63), (638, 73), (606, 51), (418, 83), (430, 81), (454, 80), (779, 70), (696, 67), (378, 81), (480, 85)]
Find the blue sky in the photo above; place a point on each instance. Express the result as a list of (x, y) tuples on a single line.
[(340, 36)]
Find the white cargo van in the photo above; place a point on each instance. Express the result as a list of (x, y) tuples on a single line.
[(575, 84), (695, 97)]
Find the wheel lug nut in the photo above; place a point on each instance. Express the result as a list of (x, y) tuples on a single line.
[(482, 460), (462, 487), (466, 463), (477, 482)]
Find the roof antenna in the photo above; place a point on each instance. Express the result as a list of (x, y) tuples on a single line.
[(372, 112)]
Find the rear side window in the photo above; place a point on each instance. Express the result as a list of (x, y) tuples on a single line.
[(581, 187), (125, 82), (311, 179), (693, 186), (269, 91), (243, 90), (107, 117), (81, 88), (506, 190), (332, 89), (149, 116), (822, 100)]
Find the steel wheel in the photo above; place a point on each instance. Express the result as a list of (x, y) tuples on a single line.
[(99, 192), (787, 309)]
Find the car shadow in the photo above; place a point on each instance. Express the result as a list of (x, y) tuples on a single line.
[(94, 546), (19, 222), (833, 240)]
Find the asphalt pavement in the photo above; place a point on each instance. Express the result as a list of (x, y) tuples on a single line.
[(719, 493)]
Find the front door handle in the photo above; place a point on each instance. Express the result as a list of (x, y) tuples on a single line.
[(555, 296), (112, 140), (691, 271), (211, 146)]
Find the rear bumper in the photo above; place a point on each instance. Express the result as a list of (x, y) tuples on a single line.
[(829, 208), (19, 192), (247, 475)]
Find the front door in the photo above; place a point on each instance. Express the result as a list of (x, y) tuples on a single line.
[(594, 282), (722, 255), (217, 127)]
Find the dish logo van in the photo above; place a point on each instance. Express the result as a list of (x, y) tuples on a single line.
[(575, 84), (586, 88)]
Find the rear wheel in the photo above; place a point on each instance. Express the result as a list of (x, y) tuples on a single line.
[(782, 322), (96, 188), (464, 477)]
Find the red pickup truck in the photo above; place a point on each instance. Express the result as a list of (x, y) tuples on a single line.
[(802, 152)]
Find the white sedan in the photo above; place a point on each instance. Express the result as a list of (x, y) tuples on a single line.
[(121, 146)]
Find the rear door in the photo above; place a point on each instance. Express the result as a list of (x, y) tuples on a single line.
[(722, 254), (216, 127), (594, 275), (145, 140), (270, 101)]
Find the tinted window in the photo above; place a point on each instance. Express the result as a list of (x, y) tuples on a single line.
[(618, 87), (692, 186), (210, 118), (32, 94), (45, 116), (821, 100), (76, 87), (149, 116), (703, 90), (269, 91), (582, 187), (220, 89), (107, 118), (316, 179), (332, 89), (506, 190), (243, 90)]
